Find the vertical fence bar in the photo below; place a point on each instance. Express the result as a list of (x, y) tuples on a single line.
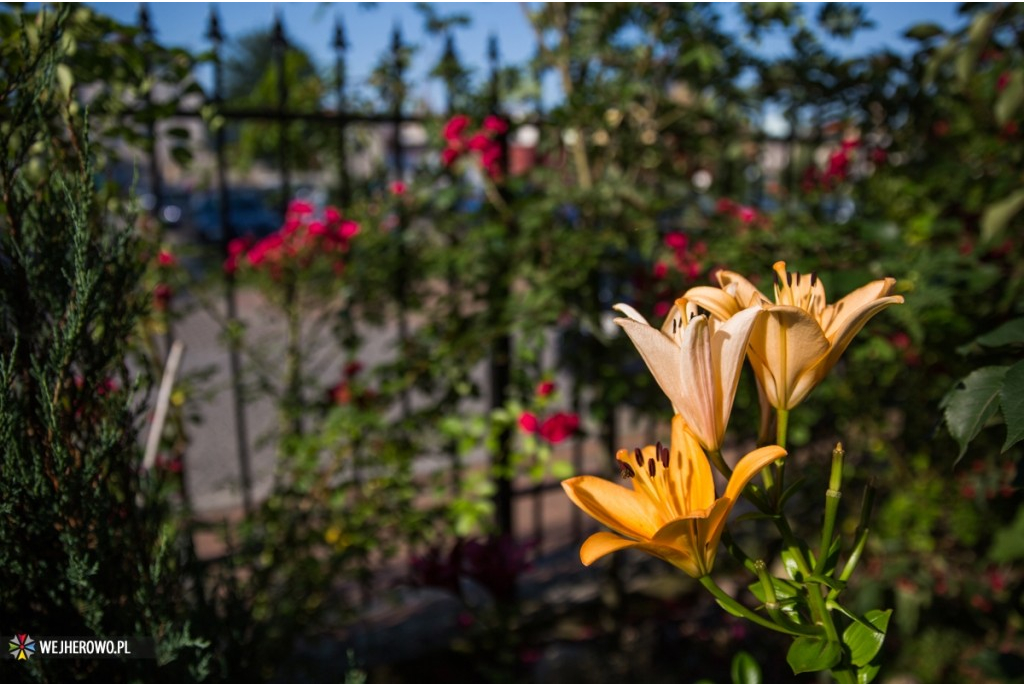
[(450, 62), (293, 371), (280, 47), (340, 46), (227, 235), (501, 350), (398, 152), (156, 179), (575, 513)]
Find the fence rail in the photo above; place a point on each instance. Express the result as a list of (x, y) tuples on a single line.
[(341, 119)]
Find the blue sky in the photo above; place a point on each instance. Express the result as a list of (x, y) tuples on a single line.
[(311, 25)]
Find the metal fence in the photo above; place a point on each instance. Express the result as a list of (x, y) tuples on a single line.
[(507, 495)]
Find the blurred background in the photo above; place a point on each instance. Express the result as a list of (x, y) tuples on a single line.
[(307, 312)]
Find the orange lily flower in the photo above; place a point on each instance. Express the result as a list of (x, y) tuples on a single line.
[(671, 512), (696, 362), (797, 344)]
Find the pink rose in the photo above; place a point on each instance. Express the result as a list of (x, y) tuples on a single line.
[(559, 427), (528, 422), (545, 388), (454, 128)]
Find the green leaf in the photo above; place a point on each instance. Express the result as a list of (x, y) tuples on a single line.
[(865, 643), (792, 568), (923, 31), (977, 36), (808, 654), (745, 669), (997, 215), (1012, 404), (561, 469), (971, 404), (729, 610), (1008, 542), (867, 673), (787, 595), (1009, 100), (1010, 333), (938, 58)]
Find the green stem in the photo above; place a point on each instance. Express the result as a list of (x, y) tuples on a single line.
[(832, 497), (819, 610), (737, 552), (771, 602), (782, 427), (716, 458), (781, 433), (735, 607)]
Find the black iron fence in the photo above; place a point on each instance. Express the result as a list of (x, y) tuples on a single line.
[(393, 116), (507, 495)]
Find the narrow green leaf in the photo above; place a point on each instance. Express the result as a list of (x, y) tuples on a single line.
[(865, 643), (745, 669), (729, 610), (1008, 101), (996, 216), (808, 654), (971, 404), (1012, 404), (977, 36)]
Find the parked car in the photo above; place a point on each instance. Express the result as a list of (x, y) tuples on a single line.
[(248, 212)]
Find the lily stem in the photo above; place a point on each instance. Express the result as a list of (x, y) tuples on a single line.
[(716, 458), (832, 498), (734, 607)]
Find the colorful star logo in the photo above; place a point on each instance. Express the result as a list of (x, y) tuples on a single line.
[(22, 647)]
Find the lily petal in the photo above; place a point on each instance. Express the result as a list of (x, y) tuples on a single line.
[(658, 352), (837, 316), (791, 343), (853, 322), (710, 529), (623, 510), (696, 480), (697, 378), (745, 292), (728, 350), (721, 304), (749, 466), (603, 543), (631, 313)]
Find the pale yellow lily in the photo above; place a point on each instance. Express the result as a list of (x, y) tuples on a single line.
[(671, 511), (696, 362), (794, 347)]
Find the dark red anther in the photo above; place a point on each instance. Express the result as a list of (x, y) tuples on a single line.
[(625, 470), (639, 457)]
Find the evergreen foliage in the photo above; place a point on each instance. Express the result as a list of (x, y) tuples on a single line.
[(87, 544)]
